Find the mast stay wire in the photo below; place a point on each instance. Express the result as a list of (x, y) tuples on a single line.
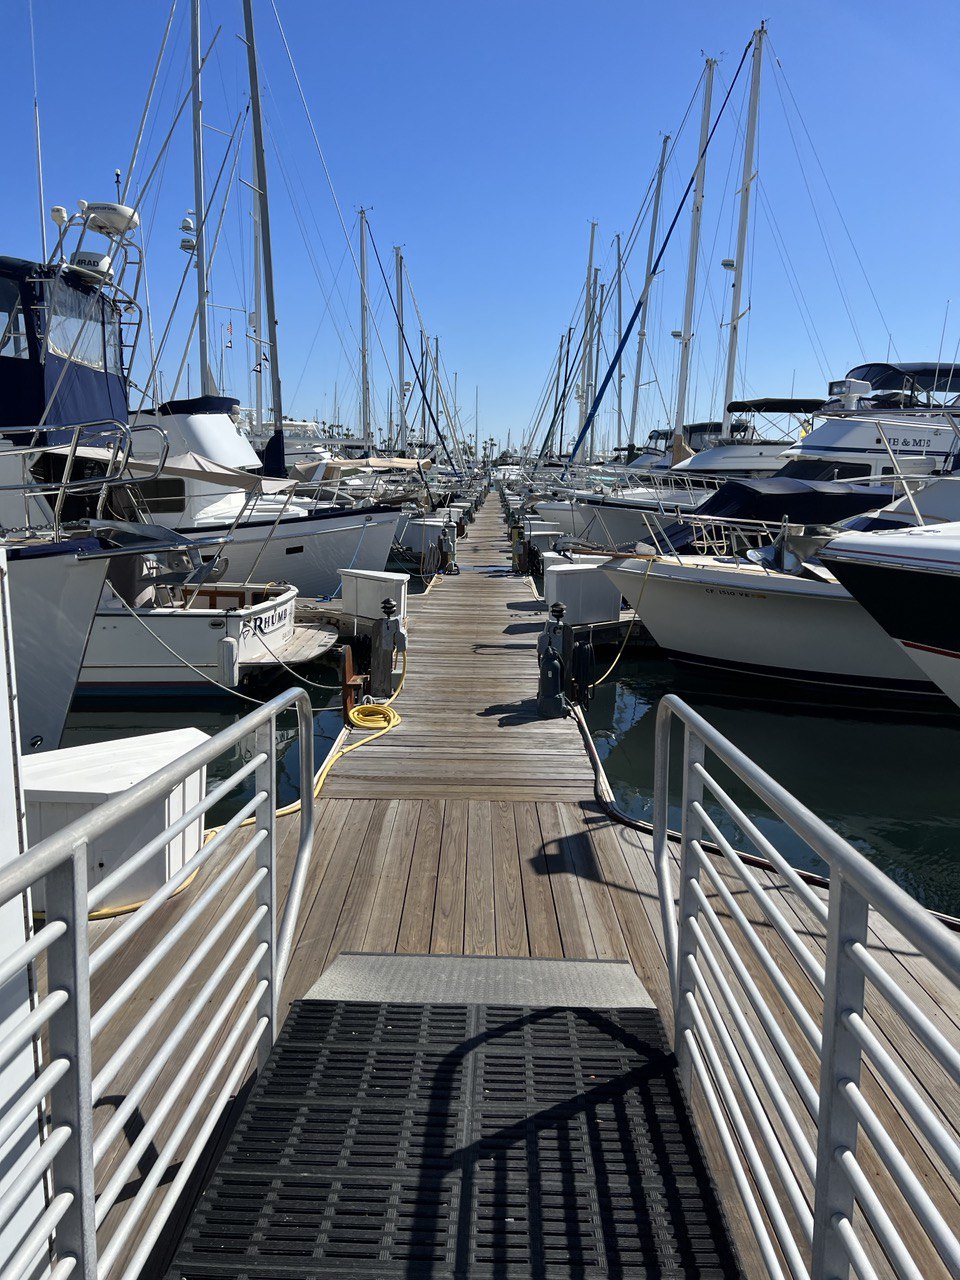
[(236, 136), (601, 390), (333, 193), (325, 293), (415, 363), (316, 332), (629, 244), (820, 227), (147, 103), (431, 359), (836, 203), (307, 203)]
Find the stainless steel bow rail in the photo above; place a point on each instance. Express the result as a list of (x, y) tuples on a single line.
[(206, 1023), (783, 1028)]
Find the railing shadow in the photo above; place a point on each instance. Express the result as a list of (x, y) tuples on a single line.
[(527, 1180)]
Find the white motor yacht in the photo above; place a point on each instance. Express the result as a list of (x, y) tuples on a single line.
[(740, 614)]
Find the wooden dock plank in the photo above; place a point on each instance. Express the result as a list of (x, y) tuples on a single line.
[(543, 928), (383, 926), (511, 939), (351, 926), (447, 935), (480, 919), (416, 921), (576, 935)]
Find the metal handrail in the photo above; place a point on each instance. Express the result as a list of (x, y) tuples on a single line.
[(714, 950), (244, 947)]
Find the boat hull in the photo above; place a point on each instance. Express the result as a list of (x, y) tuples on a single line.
[(168, 649), (307, 551), (768, 626), (917, 607), (53, 602)]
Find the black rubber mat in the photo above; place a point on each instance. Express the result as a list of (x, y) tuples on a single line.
[(389, 1140)]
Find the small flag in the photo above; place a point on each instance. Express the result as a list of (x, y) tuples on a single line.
[(228, 343), (257, 368), (230, 328)]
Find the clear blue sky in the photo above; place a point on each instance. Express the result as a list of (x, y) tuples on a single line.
[(485, 137)]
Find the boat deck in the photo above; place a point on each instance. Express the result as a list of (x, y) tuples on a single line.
[(472, 830)]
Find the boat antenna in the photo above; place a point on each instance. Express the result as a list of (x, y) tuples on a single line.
[(36, 136), (147, 104)]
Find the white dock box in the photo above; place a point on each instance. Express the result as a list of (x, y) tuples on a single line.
[(585, 590), (61, 786), (364, 591)]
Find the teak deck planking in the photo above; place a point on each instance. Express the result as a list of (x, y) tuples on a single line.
[(472, 829)]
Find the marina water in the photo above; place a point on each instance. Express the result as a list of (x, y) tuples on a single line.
[(883, 781)]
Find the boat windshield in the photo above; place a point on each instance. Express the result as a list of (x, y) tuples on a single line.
[(81, 327), (930, 379), (13, 328)]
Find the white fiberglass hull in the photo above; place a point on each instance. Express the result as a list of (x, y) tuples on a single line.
[(708, 611), (307, 551), (174, 647), (53, 601), (608, 524)]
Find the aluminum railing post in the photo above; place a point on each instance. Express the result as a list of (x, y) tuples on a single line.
[(661, 841), (691, 829), (840, 1061), (265, 743), (71, 1099)]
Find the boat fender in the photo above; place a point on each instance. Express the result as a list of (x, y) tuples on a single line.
[(550, 686), (228, 661)]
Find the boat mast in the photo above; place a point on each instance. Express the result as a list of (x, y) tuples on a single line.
[(255, 318), (401, 397), (423, 390), (364, 357), (620, 361), (276, 463), (588, 383), (651, 250), (745, 190), (563, 399), (207, 387), (686, 336), (587, 316), (598, 323), (436, 389), (548, 443)]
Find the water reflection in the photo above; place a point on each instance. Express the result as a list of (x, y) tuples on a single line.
[(883, 782)]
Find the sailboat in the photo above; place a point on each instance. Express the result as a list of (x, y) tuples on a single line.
[(275, 537)]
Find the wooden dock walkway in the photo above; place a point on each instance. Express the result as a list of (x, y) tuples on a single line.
[(471, 675), (472, 829)]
